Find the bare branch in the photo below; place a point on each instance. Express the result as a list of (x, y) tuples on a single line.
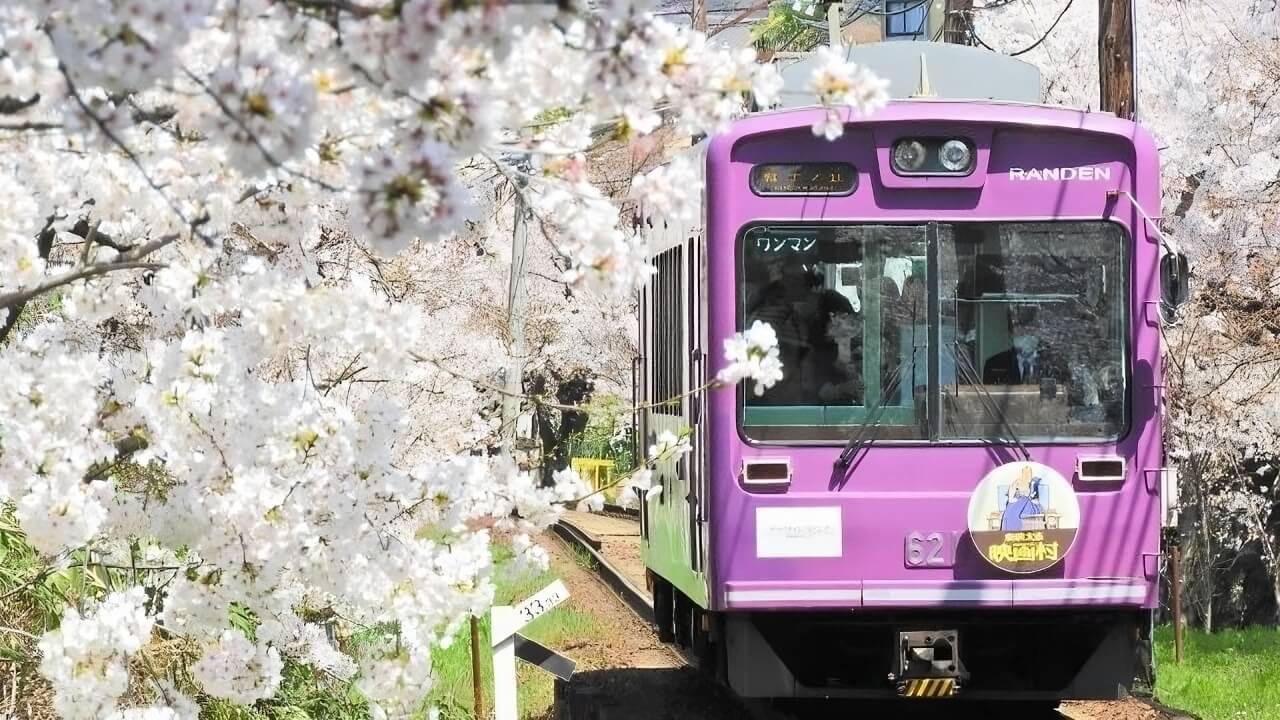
[(131, 260), (10, 105), (125, 448), (9, 299), (30, 126)]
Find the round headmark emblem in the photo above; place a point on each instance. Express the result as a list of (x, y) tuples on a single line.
[(1023, 517)]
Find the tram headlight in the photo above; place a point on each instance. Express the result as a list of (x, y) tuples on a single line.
[(909, 156), (955, 155)]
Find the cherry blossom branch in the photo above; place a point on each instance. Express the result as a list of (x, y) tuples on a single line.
[(129, 153), (44, 246), (346, 6), (10, 299), (713, 384), (253, 137), (30, 126), (127, 261), (536, 400), (10, 105), (125, 448)]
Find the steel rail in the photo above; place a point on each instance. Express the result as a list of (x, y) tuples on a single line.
[(640, 603), (629, 512), (638, 600)]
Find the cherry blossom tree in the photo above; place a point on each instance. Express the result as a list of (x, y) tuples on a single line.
[(1207, 78), (223, 371)]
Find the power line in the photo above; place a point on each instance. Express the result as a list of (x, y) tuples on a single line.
[(871, 10), (994, 5), (973, 32)]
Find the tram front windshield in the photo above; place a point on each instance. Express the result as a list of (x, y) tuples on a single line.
[(996, 327)]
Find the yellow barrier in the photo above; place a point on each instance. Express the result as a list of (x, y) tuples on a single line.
[(598, 473)]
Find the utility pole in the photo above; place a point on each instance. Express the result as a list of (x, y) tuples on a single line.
[(477, 681), (1115, 58), (958, 20), (834, 30), (700, 15), (1175, 589), (516, 300)]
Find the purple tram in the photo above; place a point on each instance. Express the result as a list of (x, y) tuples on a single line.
[(956, 491)]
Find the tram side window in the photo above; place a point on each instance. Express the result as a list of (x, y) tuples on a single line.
[(668, 332), (1036, 314)]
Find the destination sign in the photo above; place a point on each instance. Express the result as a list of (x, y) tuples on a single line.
[(803, 179)]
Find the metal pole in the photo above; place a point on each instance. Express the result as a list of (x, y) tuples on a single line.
[(1175, 580), (516, 299), (477, 682)]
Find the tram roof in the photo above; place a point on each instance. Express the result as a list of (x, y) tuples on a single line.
[(998, 112), (925, 69)]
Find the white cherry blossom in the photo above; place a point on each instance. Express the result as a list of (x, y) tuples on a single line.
[(753, 354), (233, 233)]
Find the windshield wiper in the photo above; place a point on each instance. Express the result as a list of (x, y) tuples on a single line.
[(970, 374), (859, 436)]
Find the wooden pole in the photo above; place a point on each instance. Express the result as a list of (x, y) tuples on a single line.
[(1175, 582), (477, 680), (1115, 57), (700, 15), (955, 26)]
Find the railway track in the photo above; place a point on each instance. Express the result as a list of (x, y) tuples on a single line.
[(639, 601), (633, 596)]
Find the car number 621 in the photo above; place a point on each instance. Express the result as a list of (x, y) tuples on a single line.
[(934, 549)]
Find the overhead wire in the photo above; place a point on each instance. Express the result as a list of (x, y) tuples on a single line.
[(871, 10), (973, 32), (993, 5)]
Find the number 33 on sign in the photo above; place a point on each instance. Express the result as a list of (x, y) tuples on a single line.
[(539, 603)]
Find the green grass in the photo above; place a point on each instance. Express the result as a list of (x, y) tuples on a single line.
[(582, 558), (303, 695), (1230, 675), (453, 692)]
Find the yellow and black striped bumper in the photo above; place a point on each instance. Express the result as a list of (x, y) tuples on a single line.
[(928, 688)]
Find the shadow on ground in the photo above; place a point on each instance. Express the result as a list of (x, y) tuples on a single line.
[(684, 694), (643, 694)]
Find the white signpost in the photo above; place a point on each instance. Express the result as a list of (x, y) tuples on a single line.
[(507, 620)]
